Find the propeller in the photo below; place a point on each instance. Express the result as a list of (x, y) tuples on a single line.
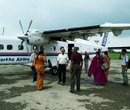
[(21, 26), (25, 37)]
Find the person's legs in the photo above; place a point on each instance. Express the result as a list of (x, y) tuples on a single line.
[(78, 73), (59, 73), (72, 78), (86, 66), (125, 77), (123, 72), (40, 82), (34, 74), (64, 73)]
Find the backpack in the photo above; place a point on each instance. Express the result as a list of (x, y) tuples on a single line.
[(128, 63)]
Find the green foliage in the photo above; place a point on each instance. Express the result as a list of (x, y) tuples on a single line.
[(116, 55)]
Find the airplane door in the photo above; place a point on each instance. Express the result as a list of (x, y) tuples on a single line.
[(70, 50)]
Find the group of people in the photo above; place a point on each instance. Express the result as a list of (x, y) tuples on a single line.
[(75, 67), (100, 76), (76, 64)]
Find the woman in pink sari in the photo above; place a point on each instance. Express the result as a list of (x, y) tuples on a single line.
[(95, 69)]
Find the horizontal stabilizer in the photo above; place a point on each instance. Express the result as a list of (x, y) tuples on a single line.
[(126, 47)]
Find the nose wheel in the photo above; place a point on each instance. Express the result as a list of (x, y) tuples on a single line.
[(54, 70)]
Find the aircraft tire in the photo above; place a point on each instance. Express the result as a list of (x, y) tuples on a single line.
[(54, 70)]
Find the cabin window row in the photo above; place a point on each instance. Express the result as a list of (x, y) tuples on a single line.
[(10, 47), (53, 48)]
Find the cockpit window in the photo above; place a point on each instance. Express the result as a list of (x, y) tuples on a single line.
[(34, 47), (1, 46), (53, 48), (77, 48), (61, 47), (9, 47), (41, 48), (21, 47)]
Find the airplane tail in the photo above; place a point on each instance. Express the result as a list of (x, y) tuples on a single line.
[(105, 40)]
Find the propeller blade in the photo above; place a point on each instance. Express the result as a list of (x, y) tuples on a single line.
[(27, 46), (3, 31), (20, 45), (29, 25), (21, 26)]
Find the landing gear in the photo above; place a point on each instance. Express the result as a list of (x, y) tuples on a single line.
[(54, 70)]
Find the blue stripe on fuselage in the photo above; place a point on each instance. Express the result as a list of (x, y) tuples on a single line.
[(105, 39)]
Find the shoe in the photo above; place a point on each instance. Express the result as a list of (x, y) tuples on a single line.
[(35, 82), (71, 91), (124, 84), (63, 84), (58, 82)]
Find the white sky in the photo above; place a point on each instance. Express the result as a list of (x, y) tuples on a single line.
[(57, 14)]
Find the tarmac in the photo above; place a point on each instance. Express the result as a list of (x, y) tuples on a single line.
[(18, 92)]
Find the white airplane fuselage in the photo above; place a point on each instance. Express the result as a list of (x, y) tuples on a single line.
[(9, 53)]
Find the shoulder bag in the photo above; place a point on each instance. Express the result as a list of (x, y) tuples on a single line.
[(104, 66)]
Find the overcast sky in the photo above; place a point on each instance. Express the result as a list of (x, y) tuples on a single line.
[(57, 14)]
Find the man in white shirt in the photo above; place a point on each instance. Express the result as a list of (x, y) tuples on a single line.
[(125, 60), (62, 63)]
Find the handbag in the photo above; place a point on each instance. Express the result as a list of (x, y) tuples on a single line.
[(104, 66), (42, 73)]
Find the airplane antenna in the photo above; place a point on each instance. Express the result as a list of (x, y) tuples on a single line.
[(3, 31)]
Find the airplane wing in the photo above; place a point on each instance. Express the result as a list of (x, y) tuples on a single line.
[(85, 32)]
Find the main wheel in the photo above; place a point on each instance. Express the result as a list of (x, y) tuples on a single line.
[(54, 70)]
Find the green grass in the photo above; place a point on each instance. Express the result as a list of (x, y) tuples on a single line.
[(116, 55)]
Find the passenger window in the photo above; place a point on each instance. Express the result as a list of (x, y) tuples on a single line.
[(41, 48), (1, 47), (77, 48), (9, 47), (21, 47), (34, 47), (61, 47), (53, 48)]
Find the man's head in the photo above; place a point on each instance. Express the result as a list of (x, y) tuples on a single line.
[(123, 51), (74, 49), (99, 50), (85, 52), (62, 50), (36, 51)]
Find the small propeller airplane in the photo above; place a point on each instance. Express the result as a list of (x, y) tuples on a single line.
[(17, 50)]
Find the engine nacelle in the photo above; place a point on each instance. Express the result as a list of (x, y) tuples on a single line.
[(38, 40), (117, 32)]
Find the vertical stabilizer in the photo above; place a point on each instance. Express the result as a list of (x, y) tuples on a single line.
[(104, 41), (107, 39)]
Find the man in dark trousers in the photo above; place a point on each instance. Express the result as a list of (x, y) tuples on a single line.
[(86, 58), (62, 63), (125, 60), (75, 69)]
